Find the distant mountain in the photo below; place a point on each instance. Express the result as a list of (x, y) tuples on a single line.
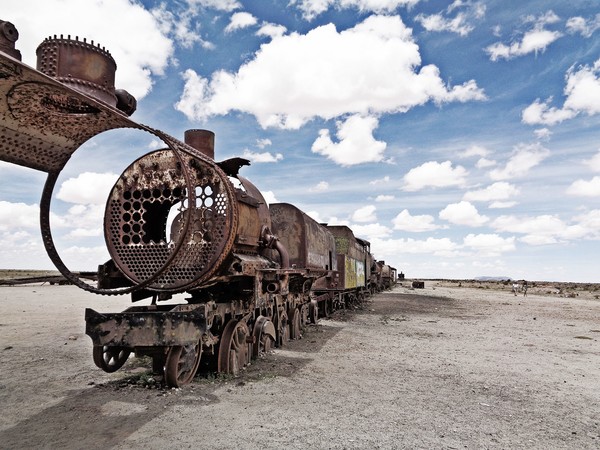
[(493, 278)]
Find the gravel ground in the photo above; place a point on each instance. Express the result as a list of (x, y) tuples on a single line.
[(440, 367)]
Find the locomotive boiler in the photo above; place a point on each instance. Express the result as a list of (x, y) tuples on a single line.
[(176, 221)]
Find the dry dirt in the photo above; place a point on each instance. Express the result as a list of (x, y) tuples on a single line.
[(441, 367)]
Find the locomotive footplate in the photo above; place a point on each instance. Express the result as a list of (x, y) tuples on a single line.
[(147, 326)]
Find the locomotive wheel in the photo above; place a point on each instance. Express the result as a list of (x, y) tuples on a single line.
[(108, 358), (304, 316), (283, 330), (181, 364), (295, 324), (234, 350), (262, 336), (313, 311)]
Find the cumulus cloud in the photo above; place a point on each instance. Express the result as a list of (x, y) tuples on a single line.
[(406, 222), (265, 157), (582, 91), (365, 214), (545, 229), (461, 23), (583, 26), (87, 188), (240, 20), (434, 174), (371, 231), (384, 198), (137, 59), (522, 160), (497, 191), (312, 8), (356, 143), (271, 30), (18, 215), (489, 244), (584, 188), (219, 5), (463, 213), (370, 69), (269, 197), (392, 247), (535, 40)]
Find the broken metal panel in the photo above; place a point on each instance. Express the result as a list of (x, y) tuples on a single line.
[(147, 326)]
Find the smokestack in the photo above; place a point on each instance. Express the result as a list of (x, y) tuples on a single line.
[(201, 140)]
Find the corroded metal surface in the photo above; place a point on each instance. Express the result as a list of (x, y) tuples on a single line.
[(81, 65)]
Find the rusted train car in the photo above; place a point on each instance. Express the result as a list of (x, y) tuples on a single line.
[(175, 221)]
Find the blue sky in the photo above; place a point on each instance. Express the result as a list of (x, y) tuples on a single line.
[(461, 138)]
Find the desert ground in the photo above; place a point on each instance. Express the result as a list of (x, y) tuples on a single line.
[(454, 365)]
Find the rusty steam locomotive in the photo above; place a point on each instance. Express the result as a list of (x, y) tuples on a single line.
[(176, 221)]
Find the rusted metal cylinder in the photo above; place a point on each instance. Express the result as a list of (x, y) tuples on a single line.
[(201, 140), (8, 37), (81, 65)]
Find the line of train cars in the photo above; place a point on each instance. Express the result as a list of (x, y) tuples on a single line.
[(176, 222), (282, 271)]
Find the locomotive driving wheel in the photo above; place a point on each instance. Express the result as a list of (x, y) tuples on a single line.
[(295, 323), (108, 358), (234, 350), (181, 364), (263, 334), (283, 329)]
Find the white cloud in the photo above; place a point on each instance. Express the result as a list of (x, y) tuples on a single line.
[(87, 188), (369, 69), (434, 174), (269, 197), (522, 160), (265, 157), (371, 231), (461, 23), (542, 133), (497, 191), (594, 162), (312, 8), (356, 142), (582, 91), (583, 188), (489, 244), (240, 20), (475, 150), (220, 5), (541, 113), (138, 58), (262, 143), (501, 205), (383, 180), (271, 30), (406, 222), (392, 247), (583, 26), (463, 213), (18, 215), (321, 186), (533, 41), (543, 229), (365, 214), (484, 163), (384, 198)]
